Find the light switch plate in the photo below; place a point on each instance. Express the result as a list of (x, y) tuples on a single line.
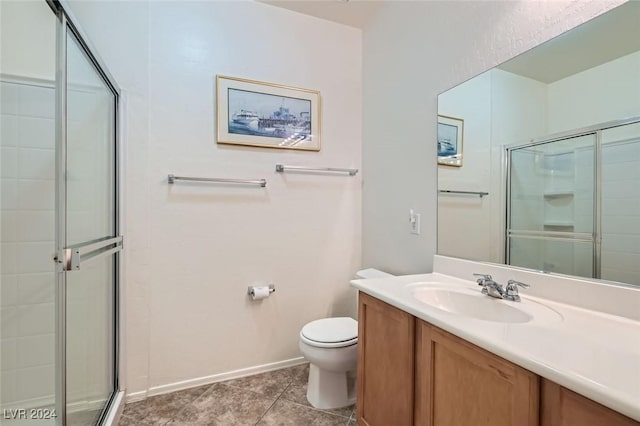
[(414, 222)]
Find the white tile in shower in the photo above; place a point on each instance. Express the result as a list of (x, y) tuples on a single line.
[(8, 322), (34, 351), (8, 226), (36, 382), (36, 319), (629, 225), (8, 386), (9, 101), (8, 354), (620, 207), (36, 163), (37, 101), (36, 194), (9, 194), (36, 257), (9, 262), (36, 132), (622, 261), (621, 243), (36, 288), (616, 153), (8, 290), (36, 225), (8, 130), (9, 163)]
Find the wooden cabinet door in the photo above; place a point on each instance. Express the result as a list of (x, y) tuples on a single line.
[(562, 407), (385, 364), (458, 383)]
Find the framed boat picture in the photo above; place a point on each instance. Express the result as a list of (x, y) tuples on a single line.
[(450, 137), (257, 113)]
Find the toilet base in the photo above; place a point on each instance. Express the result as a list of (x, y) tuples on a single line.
[(330, 389)]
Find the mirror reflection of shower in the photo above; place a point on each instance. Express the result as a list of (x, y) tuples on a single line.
[(573, 203)]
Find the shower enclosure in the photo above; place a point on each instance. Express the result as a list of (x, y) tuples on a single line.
[(59, 231), (573, 203)]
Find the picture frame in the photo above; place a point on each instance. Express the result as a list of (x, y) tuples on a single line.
[(450, 140), (261, 114)]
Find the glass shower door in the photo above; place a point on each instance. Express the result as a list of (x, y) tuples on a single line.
[(89, 234), (551, 206)]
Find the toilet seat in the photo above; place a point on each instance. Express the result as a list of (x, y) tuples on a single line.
[(330, 332)]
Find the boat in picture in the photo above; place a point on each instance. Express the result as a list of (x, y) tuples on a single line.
[(246, 118)]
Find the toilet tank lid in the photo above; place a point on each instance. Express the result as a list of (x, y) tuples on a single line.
[(331, 330), (372, 273)]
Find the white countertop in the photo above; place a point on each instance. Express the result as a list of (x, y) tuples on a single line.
[(592, 353)]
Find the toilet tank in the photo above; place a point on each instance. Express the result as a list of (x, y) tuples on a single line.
[(369, 273)]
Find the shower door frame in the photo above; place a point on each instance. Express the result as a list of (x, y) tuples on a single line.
[(67, 23), (596, 235)]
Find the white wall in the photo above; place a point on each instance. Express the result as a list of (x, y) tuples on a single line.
[(583, 100), (209, 242), (412, 52), (192, 250), (27, 41)]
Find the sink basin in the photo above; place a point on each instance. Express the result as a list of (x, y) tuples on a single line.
[(473, 304)]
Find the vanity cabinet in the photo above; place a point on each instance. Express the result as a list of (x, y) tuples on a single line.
[(413, 373), (458, 383), (562, 407), (385, 364)]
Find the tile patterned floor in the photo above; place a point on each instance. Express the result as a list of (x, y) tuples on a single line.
[(273, 398)]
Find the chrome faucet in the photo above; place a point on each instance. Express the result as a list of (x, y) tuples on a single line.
[(493, 289), (489, 286), (511, 290)]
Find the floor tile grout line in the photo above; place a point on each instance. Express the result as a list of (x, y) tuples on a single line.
[(188, 403), (278, 398), (312, 408), (252, 391), (271, 406)]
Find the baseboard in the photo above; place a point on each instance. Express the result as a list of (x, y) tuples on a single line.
[(214, 378), (136, 396)]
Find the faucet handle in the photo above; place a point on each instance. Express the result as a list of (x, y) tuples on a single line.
[(511, 290), (481, 278), (511, 284)]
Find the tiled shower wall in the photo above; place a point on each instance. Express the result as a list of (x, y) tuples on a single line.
[(621, 205), (27, 237)]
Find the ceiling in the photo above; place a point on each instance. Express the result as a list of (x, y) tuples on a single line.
[(354, 13), (610, 36)]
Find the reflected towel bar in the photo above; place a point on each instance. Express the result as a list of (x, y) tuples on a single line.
[(282, 168), (261, 182), (446, 191)]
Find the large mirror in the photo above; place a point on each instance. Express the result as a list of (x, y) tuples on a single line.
[(539, 157)]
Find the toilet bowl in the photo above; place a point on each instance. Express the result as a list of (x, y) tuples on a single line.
[(331, 347)]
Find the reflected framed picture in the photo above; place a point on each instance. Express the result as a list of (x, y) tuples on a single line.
[(450, 137), (257, 113)]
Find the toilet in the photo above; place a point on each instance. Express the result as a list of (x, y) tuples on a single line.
[(331, 347)]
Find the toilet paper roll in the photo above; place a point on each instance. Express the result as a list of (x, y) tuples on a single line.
[(261, 292)]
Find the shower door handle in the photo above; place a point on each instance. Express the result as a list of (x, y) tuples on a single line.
[(72, 258)]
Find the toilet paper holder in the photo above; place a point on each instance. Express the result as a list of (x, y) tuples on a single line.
[(251, 289)]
